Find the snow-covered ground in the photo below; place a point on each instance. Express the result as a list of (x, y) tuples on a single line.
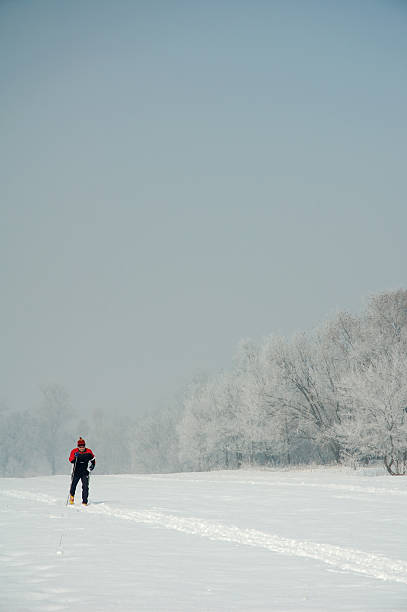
[(320, 540)]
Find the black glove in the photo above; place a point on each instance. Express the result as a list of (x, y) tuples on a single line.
[(91, 467)]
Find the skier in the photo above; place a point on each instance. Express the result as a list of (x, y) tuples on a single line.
[(80, 457)]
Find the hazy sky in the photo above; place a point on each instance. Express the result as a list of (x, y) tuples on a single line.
[(177, 175)]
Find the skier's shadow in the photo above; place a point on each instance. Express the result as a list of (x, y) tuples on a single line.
[(94, 503)]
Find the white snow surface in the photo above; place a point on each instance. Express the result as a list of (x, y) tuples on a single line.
[(317, 540)]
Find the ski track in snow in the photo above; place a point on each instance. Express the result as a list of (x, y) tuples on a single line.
[(32, 496), (286, 483), (346, 559)]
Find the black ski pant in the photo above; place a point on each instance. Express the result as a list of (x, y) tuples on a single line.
[(84, 476)]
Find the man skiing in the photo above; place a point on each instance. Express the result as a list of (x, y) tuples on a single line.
[(80, 457)]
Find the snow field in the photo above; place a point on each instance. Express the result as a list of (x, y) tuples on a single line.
[(247, 541)]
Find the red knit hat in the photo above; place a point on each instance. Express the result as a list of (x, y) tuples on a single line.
[(81, 442)]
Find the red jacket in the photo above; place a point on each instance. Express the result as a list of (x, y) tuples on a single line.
[(82, 460)]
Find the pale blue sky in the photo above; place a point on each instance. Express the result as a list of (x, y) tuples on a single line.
[(178, 175)]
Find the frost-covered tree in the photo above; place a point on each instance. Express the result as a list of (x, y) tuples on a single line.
[(154, 442), (20, 452), (252, 382), (303, 392), (54, 416), (201, 425), (374, 422), (386, 318)]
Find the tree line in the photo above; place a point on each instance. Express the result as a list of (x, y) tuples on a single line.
[(337, 394)]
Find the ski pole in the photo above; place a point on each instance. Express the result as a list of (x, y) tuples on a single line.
[(73, 471), (89, 483)]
